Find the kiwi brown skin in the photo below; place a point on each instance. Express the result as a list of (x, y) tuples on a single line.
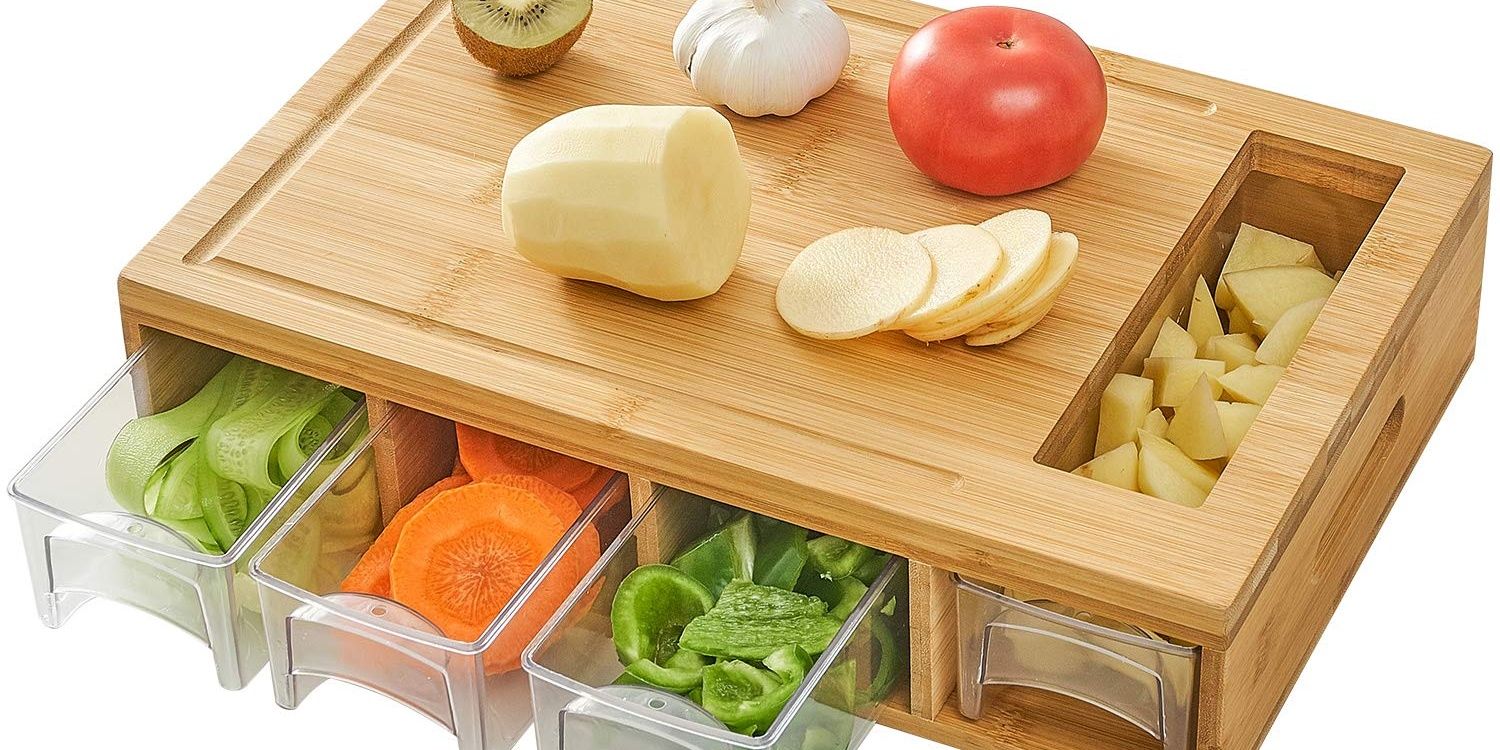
[(518, 62)]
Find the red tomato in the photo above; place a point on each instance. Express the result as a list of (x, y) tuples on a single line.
[(997, 100)]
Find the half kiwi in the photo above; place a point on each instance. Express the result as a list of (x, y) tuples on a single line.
[(520, 37)]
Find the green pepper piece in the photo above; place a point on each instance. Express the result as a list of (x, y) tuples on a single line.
[(872, 569), (837, 558), (891, 659), (841, 595), (748, 699), (650, 609), (780, 554), (682, 672), (751, 621), (722, 556)]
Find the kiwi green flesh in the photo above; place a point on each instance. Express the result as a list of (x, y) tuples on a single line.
[(522, 24), (511, 59)]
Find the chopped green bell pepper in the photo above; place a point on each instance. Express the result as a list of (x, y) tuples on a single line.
[(751, 621), (748, 699), (723, 556), (780, 554), (837, 558), (649, 611)]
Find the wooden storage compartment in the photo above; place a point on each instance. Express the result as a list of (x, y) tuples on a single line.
[(1297, 189), (356, 239)]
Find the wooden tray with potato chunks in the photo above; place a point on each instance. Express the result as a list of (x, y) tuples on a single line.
[(1268, 305)]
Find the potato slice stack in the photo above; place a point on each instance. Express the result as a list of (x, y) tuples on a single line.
[(986, 284), (1169, 431)]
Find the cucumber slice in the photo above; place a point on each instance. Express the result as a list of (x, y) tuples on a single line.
[(226, 507), (143, 444), (196, 530), (177, 497), (240, 445)]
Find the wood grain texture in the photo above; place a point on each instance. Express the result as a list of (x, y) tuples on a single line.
[(412, 453), (379, 259), (174, 369), (1244, 687), (356, 238), (934, 639)]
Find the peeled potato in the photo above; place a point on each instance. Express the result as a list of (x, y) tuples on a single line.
[(1122, 411), (1196, 472), (1116, 467), (1232, 349), (1175, 378), (1251, 384), (1203, 320), (854, 282), (965, 259), (1156, 423), (1062, 258), (1175, 342), (1267, 293), (1236, 420), (1283, 340), (1196, 428), (1024, 235), (1256, 248)]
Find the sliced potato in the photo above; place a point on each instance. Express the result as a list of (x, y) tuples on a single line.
[(1062, 259), (1256, 248), (1252, 384), (1122, 411), (1239, 321), (1195, 428), (1116, 467), (1164, 471), (965, 262), (1174, 341), (1203, 318), (989, 335), (854, 282), (1232, 349), (1175, 377), (1236, 420), (1156, 423), (1024, 235), (1267, 293), (1288, 334)]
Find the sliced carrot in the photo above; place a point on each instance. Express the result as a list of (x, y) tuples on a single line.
[(587, 492), (487, 454), (458, 467), (560, 503), (372, 574), (462, 558)]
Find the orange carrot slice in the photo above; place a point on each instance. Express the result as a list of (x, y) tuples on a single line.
[(487, 454), (586, 493), (560, 503), (458, 467), (462, 558), (372, 574)]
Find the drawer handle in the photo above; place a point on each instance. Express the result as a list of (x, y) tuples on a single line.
[(1135, 676)]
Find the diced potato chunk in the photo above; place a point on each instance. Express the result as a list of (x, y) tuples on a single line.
[(1232, 349), (1116, 467), (1203, 319), (1197, 472), (1174, 341), (1252, 384), (1156, 423), (1256, 248), (1122, 411), (1267, 293), (1239, 321), (1236, 420), (1160, 474), (1288, 333), (1195, 428), (1174, 377)]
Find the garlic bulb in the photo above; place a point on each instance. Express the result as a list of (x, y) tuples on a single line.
[(761, 57)]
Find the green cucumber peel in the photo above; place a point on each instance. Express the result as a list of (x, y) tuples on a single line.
[(650, 609), (226, 508), (750, 622), (143, 444), (721, 557), (239, 446)]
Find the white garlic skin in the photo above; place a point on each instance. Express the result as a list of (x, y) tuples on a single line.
[(762, 57)]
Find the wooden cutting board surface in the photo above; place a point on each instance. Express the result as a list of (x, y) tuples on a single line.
[(358, 237)]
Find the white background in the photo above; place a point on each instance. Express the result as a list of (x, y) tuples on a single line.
[(111, 119)]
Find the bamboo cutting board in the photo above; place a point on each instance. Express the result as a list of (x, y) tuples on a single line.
[(357, 238)]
